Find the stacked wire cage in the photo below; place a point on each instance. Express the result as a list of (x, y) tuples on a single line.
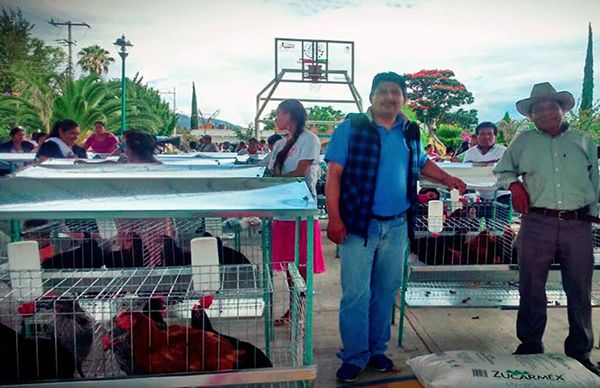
[(471, 259), (179, 289)]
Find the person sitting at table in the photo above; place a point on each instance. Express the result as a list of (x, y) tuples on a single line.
[(61, 142), (101, 141), (17, 142), (140, 147), (486, 150)]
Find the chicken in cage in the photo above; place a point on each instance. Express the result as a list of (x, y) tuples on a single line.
[(129, 242), (473, 232), (82, 324)]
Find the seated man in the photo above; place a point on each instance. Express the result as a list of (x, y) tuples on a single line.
[(486, 151)]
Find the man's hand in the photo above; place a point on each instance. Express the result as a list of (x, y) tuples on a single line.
[(520, 197), (453, 182), (336, 230)]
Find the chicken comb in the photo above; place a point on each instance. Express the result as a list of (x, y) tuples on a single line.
[(206, 301), (26, 309), (124, 320), (106, 342)]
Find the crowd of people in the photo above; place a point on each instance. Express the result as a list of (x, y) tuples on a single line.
[(373, 163)]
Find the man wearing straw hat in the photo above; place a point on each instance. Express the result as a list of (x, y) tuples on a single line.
[(552, 173)]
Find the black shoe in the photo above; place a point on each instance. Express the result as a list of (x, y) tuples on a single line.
[(381, 363), (348, 373), (589, 366), (529, 349)]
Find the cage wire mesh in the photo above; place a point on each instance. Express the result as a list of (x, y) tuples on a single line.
[(122, 243), (473, 233), (247, 295), (477, 236), (79, 323)]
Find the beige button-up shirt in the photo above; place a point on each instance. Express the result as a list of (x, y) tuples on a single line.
[(559, 172)]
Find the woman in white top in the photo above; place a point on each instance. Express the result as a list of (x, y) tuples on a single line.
[(295, 156)]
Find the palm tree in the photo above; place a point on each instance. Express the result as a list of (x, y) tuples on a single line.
[(90, 99), (95, 60), (32, 107)]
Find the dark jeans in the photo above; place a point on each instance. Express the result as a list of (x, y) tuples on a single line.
[(541, 239)]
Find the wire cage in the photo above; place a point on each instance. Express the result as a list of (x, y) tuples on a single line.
[(136, 322), (466, 255), (188, 267), (477, 233)]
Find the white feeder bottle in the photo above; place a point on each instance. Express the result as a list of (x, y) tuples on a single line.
[(435, 216), (455, 203)]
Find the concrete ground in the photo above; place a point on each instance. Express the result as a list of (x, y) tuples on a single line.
[(427, 330)]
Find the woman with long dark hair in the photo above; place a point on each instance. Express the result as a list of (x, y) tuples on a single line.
[(60, 143), (140, 146), (295, 156), (17, 142)]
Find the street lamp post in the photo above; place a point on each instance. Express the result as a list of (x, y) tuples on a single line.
[(123, 44)]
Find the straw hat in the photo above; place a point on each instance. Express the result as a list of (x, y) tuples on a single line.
[(542, 92)]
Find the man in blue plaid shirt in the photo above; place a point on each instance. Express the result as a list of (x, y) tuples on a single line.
[(374, 160)]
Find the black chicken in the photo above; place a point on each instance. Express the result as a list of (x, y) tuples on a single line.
[(250, 356), (64, 320), (23, 359), (87, 255), (175, 256)]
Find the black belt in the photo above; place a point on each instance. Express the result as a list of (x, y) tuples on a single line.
[(386, 218), (577, 214)]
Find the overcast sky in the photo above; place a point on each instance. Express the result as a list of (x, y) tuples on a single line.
[(497, 48)]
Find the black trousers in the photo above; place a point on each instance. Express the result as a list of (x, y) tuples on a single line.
[(541, 239)]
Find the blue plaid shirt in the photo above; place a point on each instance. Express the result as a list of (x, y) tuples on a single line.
[(390, 190)]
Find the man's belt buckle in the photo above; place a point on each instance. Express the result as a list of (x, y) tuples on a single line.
[(561, 214)]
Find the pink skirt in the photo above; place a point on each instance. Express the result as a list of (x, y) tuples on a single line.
[(283, 245)]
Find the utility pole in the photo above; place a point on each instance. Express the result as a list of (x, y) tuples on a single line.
[(70, 42)]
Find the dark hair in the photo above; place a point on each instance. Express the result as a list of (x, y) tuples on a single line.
[(273, 139), (141, 143), (100, 122), (15, 130), (62, 126), (389, 76), (486, 124), (297, 115), (428, 145), (252, 140), (37, 136)]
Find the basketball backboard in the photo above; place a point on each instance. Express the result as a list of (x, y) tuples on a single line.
[(310, 60)]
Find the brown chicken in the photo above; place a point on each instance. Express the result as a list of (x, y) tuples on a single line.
[(176, 349)]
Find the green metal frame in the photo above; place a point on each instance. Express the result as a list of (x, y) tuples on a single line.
[(23, 207)]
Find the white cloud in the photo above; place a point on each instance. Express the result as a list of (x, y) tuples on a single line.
[(497, 48)]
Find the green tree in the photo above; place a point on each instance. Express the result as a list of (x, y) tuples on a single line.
[(587, 94), (147, 101), (324, 113), (433, 93), (587, 121), (314, 113), (95, 60), (449, 135), (508, 128), (194, 115), (90, 99), (466, 119), (18, 47), (244, 134)]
